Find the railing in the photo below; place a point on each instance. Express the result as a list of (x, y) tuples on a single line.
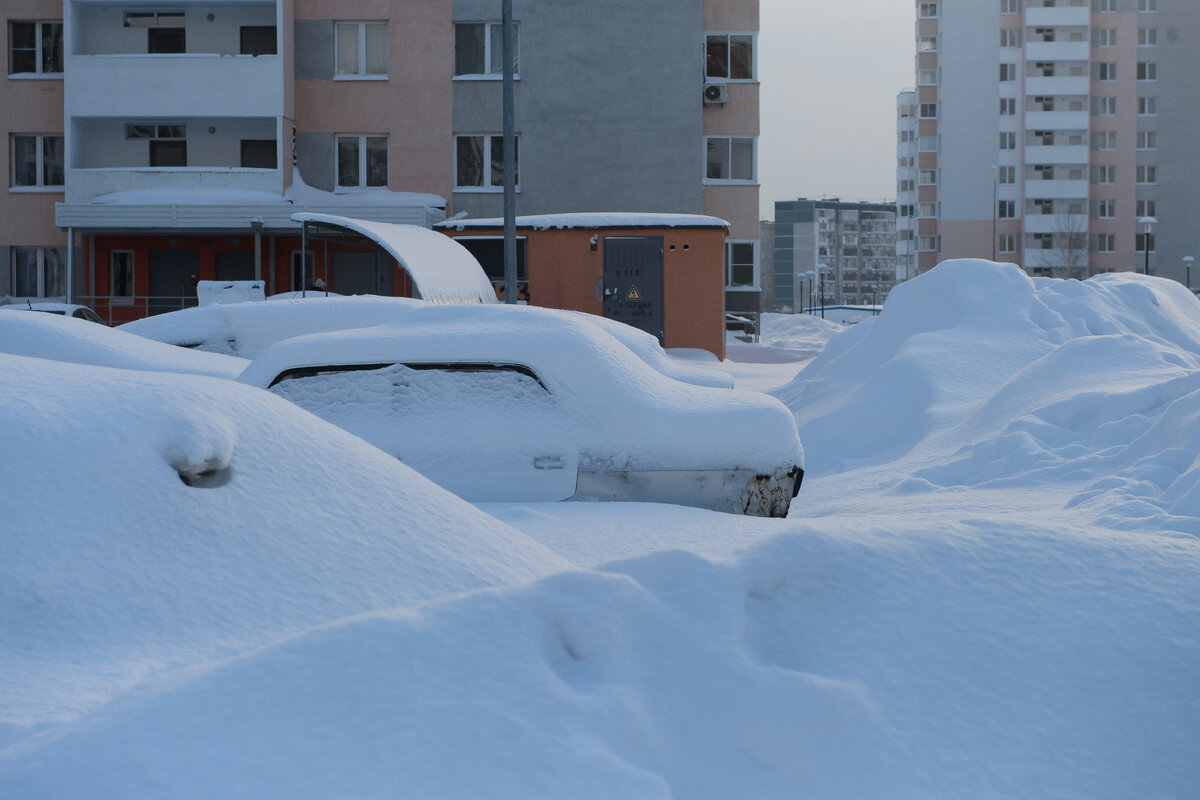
[(119, 310)]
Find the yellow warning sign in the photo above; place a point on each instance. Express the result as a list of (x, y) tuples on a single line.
[(634, 294)]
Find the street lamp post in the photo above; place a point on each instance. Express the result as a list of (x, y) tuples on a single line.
[(1187, 267), (1147, 227), (821, 276)]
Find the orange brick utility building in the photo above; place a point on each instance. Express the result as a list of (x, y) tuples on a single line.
[(662, 273)]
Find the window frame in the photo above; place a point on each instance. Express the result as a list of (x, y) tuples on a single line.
[(121, 299), (754, 266), (731, 181), (488, 53), (363, 168), (486, 187), (39, 266), (38, 52), (753, 36), (361, 45), (40, 160)]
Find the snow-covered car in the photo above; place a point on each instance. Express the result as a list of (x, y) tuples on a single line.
[(61, 309), (508, 403)]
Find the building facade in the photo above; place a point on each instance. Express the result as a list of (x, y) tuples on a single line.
[(1056, 134), (149, 147), (842, 252)]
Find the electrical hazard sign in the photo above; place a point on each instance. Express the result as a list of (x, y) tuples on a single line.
[(634, 294)]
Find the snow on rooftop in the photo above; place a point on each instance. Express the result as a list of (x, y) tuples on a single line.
[(591, 220), (442, 270), (302, 194)]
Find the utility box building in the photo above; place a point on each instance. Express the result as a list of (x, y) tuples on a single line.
[(661, 273)]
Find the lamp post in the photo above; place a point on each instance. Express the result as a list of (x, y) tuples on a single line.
[(1147, 227), (1187, 268), (821, 277)]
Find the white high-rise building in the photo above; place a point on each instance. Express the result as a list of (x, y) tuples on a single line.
[(1049, 131)]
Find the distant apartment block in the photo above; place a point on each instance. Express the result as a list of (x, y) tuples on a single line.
[(151, 146), (845, 250), (1057, 134)]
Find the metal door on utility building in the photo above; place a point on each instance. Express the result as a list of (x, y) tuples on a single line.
[(633, 282)]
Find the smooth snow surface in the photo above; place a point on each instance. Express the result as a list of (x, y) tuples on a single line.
[(987, 588), (442, 270), (78, 341), (543, 222)]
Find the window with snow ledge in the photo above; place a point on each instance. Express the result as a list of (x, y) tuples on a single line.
[(35, 49), (479, 50), (729, 56), (361, 51), (741, 265), (362, 162)]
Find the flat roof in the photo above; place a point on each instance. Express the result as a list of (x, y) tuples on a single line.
[(590, 220)]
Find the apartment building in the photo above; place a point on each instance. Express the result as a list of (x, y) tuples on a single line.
[(907, 209), (1057, 134), (845, 250), (153, 146)]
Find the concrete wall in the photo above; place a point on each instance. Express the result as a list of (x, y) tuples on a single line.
[(599, 129), (100, 29)]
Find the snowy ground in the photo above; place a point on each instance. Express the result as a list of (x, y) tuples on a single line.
[(989, 586)]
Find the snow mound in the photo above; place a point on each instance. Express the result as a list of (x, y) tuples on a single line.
[(984, 376), (246, 329), (80, 342), (154, 522)]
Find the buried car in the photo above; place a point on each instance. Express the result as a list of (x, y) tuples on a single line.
[(516, 404)]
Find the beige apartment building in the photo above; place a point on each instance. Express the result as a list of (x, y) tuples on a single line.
[(150, 146), (1057, 134)]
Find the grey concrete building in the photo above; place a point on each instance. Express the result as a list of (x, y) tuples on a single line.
[(845, 250)]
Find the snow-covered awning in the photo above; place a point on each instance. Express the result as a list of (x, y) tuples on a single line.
[(442, 270), (616, 219)]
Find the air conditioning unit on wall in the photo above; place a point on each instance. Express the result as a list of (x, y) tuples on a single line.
[(715, 94)]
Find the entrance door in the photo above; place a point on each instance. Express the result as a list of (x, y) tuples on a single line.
[(633, 282), (173, 276), (359, 272), (233, 266)]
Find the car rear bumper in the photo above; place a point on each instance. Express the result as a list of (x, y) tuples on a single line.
[(734, 491)]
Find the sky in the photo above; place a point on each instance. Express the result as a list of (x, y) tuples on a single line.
[(830, 73)]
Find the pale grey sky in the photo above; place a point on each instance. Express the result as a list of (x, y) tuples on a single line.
[(830, 72)]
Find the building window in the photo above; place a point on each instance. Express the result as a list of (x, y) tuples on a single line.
[(361, 50), (929, 10), (927, 210), (928, 244), (168, 143), (1147, 140), (304, 273), (1010, 37), (1147, 106), (729, 56), (1147, 71), (740, 265), (1106, 6), (489, 252), (362, 162), (1104, 209), (1144, 239), (1007, 175), (927, 77), (1010, 6), (35, 48), (1008, 140), (928, 110), (1105, 37), (1147, 174), (1146, 208), (39, 271), (479, 162), (37, 160), (258, 40), (120, 272), (1104, 175), (1008, 72), (1147, 5), (1106, 243), (1104, 106), (927, 144), (259, 154), (1106, 71), (1008, 106), (1007, 209), (1147, 37), (479, 48), (906, 186), (927, 177), (729, 158), (1007, 243), (927, 44), (1104, 140)]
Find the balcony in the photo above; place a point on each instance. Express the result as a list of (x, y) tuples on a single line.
[(1057, 51), (84, 184), (1058, 16), (1057, 86), (142, 85), (1056, 223), (1056, 189), (1056, 120), (1056, 154)]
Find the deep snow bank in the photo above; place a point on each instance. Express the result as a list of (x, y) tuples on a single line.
[(114, 569), (984, 376)]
